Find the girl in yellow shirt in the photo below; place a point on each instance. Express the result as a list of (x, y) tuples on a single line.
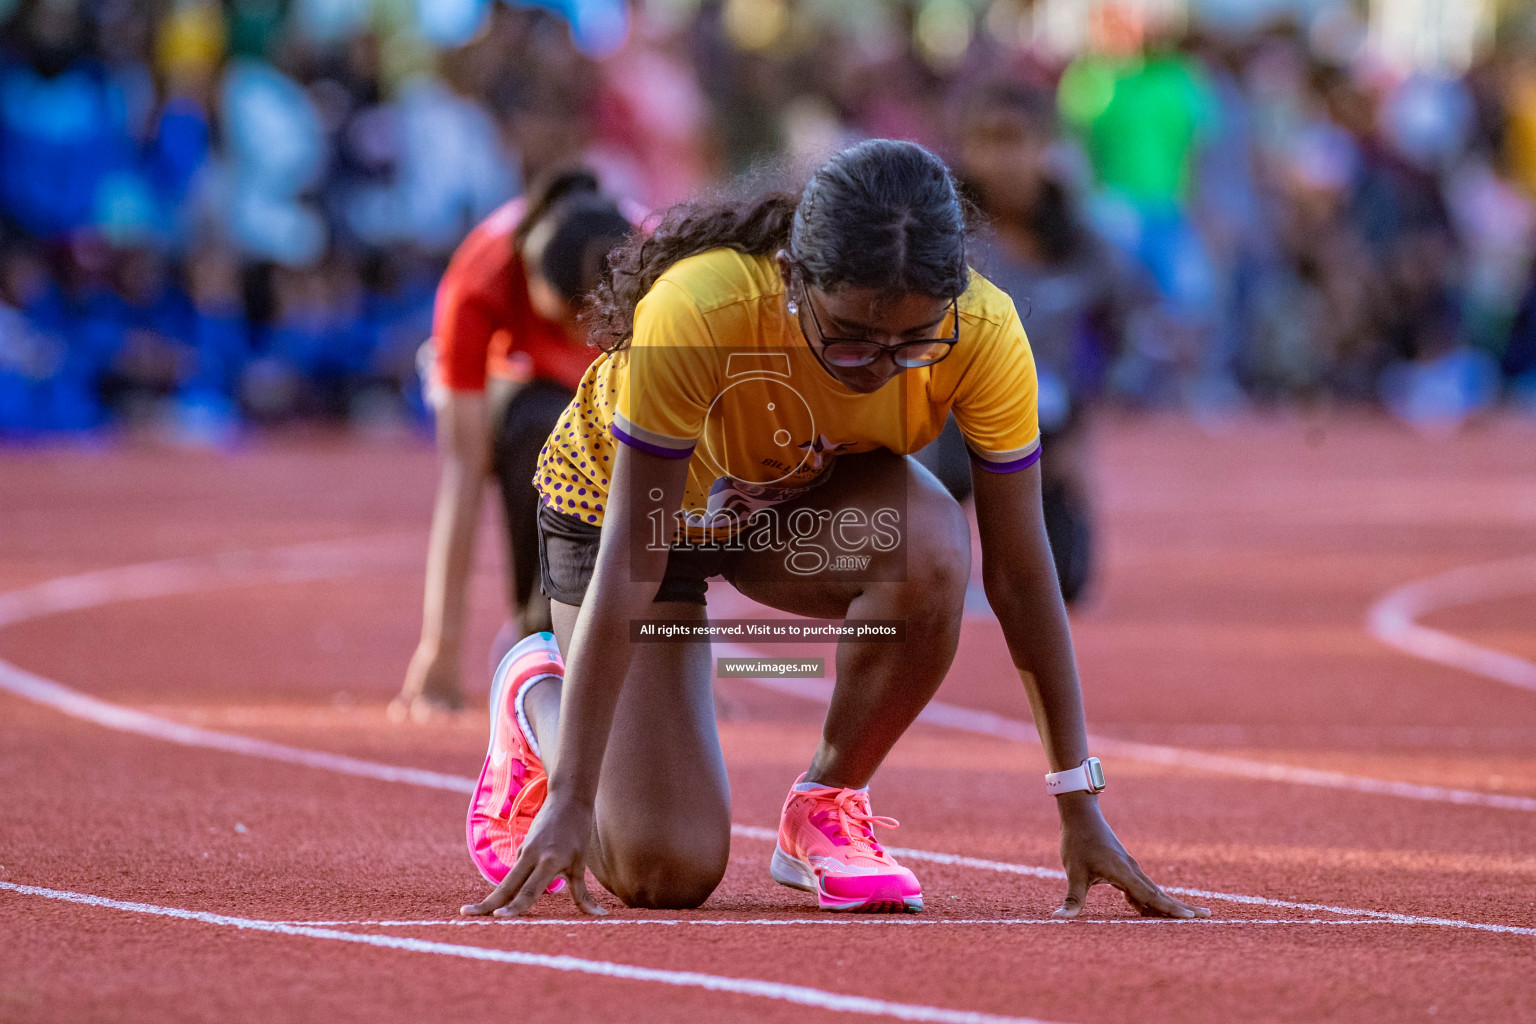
[(769, 368)]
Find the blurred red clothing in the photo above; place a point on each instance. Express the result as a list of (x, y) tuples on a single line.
[(484, 324)]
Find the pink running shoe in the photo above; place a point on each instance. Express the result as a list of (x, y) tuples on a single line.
[(827, 846), (512, 784)]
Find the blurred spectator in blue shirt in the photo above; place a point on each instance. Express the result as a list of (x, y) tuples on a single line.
[(152, 357), (217, 327), (63, 123), (33, 355)]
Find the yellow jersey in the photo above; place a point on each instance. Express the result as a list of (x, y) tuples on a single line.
[(719, 373)]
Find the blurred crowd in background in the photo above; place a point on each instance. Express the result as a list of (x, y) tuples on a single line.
[(220, 213)]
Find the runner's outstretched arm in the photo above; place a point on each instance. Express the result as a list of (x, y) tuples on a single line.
[(463, 442), (1020, 581)]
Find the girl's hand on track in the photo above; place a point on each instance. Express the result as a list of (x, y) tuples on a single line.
[(1092, 854), (553, 849)]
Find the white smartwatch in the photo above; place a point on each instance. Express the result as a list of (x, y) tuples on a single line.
[(1086, 777)]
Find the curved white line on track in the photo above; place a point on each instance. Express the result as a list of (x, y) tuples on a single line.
[(801, 994), (310, 561), (986, 723), (1461, 586), (294, 564), (113, 716), (330, 559), (1392, 619)]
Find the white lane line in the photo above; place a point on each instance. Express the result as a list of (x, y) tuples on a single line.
[(328, 559), (892, 920), (94, 589), (1056, 874), (293, 563), (988, 724), (1205, 894), (801, 994), (1392, 619), (114, 716), (1518, 576)]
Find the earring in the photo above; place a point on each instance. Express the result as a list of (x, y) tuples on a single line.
[(794, 310)]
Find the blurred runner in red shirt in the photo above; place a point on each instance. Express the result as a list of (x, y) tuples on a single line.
[(507, 352)]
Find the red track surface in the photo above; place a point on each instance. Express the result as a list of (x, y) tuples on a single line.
[(1238, 570)]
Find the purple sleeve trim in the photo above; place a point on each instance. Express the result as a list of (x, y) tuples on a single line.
[(651, 449), (1007, 467)]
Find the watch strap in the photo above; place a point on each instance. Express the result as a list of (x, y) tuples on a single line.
[(1086, 777)]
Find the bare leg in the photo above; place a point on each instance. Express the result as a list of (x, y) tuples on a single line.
[(662, 831), (663, 815), (881, 687)]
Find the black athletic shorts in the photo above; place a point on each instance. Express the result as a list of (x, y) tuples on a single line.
[(568, 553)]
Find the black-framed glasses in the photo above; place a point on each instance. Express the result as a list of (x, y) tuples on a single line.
[(848, 353)]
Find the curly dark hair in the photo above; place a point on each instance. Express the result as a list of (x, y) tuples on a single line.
[(883, 214)]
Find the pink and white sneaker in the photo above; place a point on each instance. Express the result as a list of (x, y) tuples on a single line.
[(827, 846), (513, 783)]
